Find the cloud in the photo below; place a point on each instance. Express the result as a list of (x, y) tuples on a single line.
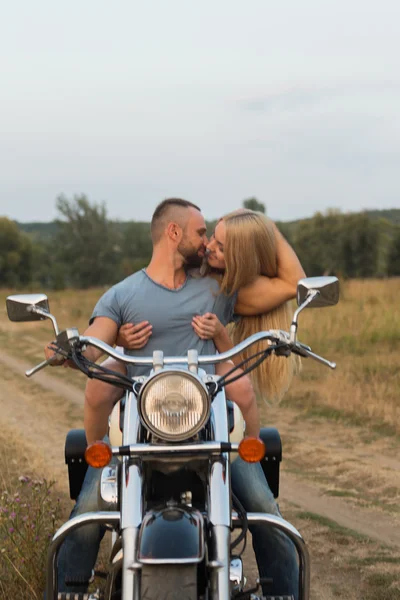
[(303, 96)]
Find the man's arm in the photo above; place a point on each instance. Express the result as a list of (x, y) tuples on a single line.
[(267, 293), (106, 330), (103, 328)]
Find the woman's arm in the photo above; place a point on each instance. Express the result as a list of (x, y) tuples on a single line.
[(267, 293)]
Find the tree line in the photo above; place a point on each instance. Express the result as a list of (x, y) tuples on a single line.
[(84, 248)]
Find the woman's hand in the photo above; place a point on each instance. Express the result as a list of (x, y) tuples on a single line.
[(207, 326), (134, 337)]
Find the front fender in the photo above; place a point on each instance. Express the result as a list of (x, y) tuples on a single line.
[(174, 534)]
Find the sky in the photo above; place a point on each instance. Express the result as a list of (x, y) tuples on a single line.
[(294, 102)]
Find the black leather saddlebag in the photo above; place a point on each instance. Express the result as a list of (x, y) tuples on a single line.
[(75, 446), (273, 456)]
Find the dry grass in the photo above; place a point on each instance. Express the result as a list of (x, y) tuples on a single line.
[(362, 335), (30, 513), (72, 308)]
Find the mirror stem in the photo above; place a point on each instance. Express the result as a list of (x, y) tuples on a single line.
[(293, 328), (44, 313)]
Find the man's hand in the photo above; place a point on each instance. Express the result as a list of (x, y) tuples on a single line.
[(56, 358), (102, 328), (134, 337), (207, 326)]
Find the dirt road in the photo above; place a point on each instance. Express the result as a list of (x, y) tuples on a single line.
[(330, 470)]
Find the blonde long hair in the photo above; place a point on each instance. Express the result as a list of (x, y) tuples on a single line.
[(250, 250)]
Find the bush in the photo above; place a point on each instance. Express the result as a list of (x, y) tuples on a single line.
[(28, 520)]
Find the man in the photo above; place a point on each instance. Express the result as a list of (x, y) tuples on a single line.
[(166, 296)]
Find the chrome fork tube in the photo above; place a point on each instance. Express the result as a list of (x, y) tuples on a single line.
[(131, 504), (219, 566), (131, 420), (130, 578), (219, 505)]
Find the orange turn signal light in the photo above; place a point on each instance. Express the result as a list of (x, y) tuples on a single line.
[(251, 449), (98, 454)]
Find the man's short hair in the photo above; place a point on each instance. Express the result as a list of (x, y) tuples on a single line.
[(171, 209)]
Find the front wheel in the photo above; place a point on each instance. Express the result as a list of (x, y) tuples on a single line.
[(169, 582)]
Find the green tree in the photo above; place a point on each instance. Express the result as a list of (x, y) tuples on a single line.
[(335, 243), (15, 255), (88, 243), (254, 204), (48, 270), (136, 247), (393, 265), (360, 246)]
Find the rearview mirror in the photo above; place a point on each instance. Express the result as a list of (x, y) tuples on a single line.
[(327, 288), (20, 307)]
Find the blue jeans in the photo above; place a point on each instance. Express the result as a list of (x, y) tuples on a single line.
[(275, 553), (78, 553)]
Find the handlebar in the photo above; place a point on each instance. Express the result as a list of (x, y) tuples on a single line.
[(273, 336), (180, 360)]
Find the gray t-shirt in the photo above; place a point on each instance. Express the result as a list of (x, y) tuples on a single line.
[(170, 311)]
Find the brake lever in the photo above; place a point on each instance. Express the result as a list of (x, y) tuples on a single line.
[(41, 366), (53, 359), (305, 352)]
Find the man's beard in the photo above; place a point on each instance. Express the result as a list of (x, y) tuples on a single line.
[(193, 260), (190, 255)]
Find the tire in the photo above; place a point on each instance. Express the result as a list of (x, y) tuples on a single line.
[(169, 582)]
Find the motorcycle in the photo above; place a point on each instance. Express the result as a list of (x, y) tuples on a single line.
[(165, 481)]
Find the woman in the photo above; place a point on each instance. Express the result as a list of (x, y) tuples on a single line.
[(244, 251)]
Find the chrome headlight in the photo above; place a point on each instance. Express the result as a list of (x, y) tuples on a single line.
[(174, 405)]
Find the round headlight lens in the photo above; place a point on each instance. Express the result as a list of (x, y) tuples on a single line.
[(174, 406)]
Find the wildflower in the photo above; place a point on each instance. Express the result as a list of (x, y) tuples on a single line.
[(11, 530), (13, 515), (24, 479)]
